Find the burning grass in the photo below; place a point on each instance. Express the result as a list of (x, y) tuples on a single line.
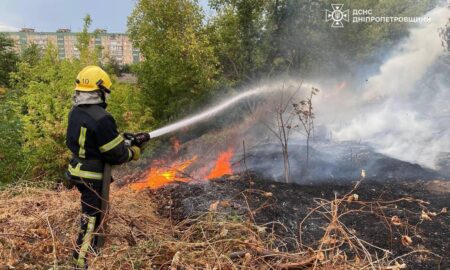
[(162, 172), (148, 230)]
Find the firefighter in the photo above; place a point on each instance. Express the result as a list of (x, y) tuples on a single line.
[(93, 139)]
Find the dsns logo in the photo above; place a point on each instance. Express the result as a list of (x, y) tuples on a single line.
[(337, 15)]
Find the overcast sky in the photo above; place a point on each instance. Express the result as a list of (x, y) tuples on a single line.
[(49, 15)]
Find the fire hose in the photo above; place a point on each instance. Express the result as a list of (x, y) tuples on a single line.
[(140, 139), (131, 139)]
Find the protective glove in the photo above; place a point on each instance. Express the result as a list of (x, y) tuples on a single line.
[(136, 151), (138, 139), (141, 138)]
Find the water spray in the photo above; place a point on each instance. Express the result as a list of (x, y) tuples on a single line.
[(205, 114), (216, 109)]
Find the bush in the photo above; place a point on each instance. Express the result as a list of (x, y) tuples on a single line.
[(11, 158), (45, 99), (179, 69), (45, 95), (8, 59), (126, 104)]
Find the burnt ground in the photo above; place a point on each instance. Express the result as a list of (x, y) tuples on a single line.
[(275, 203)]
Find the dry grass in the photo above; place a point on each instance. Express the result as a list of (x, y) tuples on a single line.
[(341, 248), (38, 226)]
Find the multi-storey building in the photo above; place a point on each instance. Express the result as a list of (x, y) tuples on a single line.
[(115, 45)]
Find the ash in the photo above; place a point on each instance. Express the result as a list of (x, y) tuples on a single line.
[(334, 161), (280, 207)]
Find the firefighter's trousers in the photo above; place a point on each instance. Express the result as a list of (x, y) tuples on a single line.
[(90, 221)]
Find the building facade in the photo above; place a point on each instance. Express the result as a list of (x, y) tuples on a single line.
[(115, 45)]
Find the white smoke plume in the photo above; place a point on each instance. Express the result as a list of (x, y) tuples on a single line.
[(403, 111)]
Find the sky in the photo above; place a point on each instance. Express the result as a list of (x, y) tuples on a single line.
[(49, 15)]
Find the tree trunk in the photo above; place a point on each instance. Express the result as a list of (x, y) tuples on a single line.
[(287, 169)]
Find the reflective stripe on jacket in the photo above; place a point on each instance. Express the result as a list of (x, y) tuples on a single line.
[(93, 139)]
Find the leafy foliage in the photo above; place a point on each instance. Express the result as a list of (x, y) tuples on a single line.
[(8, 59), (31, 54), (260, 38), (12, 161), (46, 89), (87, 56), (46, 103), (112, 66), (130, 113), (237, 33), (187, 59), (180, 66)]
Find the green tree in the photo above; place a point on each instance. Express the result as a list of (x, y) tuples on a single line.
[(46, 91), (12, 162), (180, 66), (238, 34), (111, 65), (89, 55), (8, 59), (254, 38), (31, 54), (130, 113), (300, 38), (46, 98)]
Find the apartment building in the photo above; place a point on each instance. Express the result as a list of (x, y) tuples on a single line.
[(116, 45)]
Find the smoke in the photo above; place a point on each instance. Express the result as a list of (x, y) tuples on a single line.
[(402, 111)]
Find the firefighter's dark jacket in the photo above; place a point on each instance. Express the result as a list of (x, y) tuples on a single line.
[(93, 138)]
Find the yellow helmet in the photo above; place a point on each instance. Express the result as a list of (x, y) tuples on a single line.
[(92, 78)]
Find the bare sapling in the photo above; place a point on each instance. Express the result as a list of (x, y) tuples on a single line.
[(305, 114), (284, 117)]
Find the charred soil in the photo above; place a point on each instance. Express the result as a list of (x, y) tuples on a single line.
[(406, 219), (237, 222)]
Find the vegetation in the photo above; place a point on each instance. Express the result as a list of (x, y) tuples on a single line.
[(11, 157), (180, 64), (244, 222), (8, 59), (305, 115), (359, 228), (38, 110), (188, 58)]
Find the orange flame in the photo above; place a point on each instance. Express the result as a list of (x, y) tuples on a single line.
[(223, 165), (159, 176)]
